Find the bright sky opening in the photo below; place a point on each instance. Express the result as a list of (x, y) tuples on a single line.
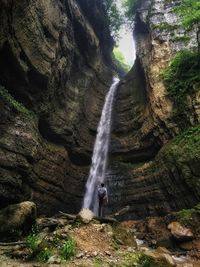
[(126, 43)]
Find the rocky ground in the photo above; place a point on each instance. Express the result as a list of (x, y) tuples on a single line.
[(173, 240)]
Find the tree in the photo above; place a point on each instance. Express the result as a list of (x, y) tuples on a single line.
[(189, 12), (130, 7), (115, 17)]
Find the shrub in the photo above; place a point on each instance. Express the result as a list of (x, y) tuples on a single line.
[(44, 255), (69, 249), (181, 77), (32, 240), (185, 216)]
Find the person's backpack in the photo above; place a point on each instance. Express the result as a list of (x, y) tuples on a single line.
[(101, 192)]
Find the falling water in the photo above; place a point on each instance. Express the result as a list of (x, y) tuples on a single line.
[(100, 151)]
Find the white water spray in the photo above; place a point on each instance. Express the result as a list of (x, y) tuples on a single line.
[(100, 151)]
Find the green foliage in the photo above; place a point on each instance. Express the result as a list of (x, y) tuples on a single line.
[(184, 216), (41, 247), (98, 262), (189, 12), (181, 38), (119, 60), (187, 216), (165, 26), (184, 146), (69, 249), (32, 240), (140, 260), (115, 17), (14, 103), (130, 7), (44, 254), (115, 244), (182, 77)]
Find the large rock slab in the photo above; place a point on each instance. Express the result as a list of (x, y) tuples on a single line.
[(179, 232), (17, 218)]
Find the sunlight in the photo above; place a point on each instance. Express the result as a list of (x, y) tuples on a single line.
[(126, 43)]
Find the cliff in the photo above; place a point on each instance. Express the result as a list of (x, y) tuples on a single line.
[(153, 142), (55, 69), (54, 73)]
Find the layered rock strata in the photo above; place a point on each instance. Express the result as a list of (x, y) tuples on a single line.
[(54, 77), (147, 119)]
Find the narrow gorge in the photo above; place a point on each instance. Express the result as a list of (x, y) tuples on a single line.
[(56, 67)]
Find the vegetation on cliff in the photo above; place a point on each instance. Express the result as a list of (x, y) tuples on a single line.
[(12, 102), (189, 12), (115, 17), (131, 8), (181, 77), (120, 60)]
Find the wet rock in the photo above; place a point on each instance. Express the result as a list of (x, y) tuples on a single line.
[(85, 215), (16, 218), (179, 232), (163, 257)]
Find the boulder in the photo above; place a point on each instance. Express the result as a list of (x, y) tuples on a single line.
[(85, 215), (17, 218), (158, 234), (162, 258), (179, 232)]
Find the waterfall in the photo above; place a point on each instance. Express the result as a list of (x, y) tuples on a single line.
[(100, 151)]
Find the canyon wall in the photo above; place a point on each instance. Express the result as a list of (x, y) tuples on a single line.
[(155, 154), (55, 69), (54, 74)]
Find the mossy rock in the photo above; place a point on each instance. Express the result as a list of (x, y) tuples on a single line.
[(124, 235)]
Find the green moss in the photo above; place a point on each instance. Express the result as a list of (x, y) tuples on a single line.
[(184, 216), (140, 260), (124, 235), (184, 146), (165, 26), (188, 217), (9, 99), (42, 249), (182, 77), (184, 39)]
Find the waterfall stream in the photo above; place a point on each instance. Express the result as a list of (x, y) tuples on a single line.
[(100, 151)]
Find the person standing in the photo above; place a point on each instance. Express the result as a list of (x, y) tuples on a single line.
[(103, 197)]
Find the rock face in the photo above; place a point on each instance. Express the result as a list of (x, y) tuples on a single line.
[(151, 169), (53, 76)]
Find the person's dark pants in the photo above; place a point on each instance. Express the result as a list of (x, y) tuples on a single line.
[(100, 206)]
